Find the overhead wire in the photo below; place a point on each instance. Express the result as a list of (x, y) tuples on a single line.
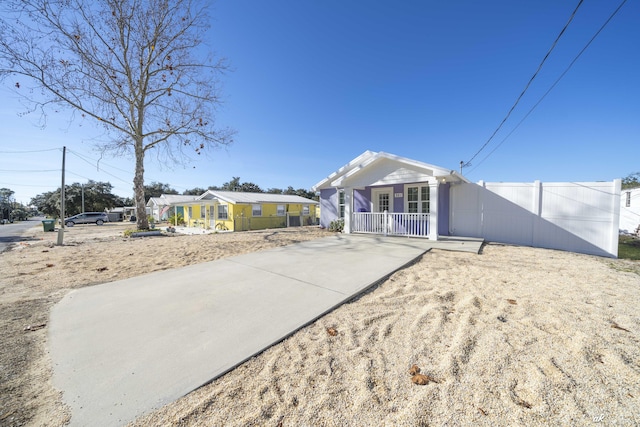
[(468, 163), (31, 151), (553, 85)]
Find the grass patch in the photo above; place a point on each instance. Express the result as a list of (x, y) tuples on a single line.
[(629, 247)]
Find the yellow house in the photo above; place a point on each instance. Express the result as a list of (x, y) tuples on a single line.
[(236, 211)]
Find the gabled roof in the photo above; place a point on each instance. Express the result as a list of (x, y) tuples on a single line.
[(240, 197), (371, 168)]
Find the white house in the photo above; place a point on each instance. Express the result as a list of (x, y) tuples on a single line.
[(381, 193), (630, 210), (158, 207)]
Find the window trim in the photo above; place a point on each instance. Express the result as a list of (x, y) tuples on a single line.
[(420, 202), (341, 203), (223, 209)]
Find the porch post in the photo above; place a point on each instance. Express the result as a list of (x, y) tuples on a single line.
[(348, 196), (433, 210)]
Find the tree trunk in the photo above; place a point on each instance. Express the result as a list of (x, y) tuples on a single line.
[(138, 188)]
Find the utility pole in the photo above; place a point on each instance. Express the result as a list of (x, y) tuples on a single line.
[(61, 229)]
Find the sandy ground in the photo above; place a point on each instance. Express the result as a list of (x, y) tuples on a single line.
[(513, 336)]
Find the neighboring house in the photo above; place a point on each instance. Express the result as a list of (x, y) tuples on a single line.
[(381, 193), (630, 210), (122, 213), (158, 207), (237, 211)]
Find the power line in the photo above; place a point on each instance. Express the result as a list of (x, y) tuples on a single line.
[(552, 86), (30, 151), (29, 171), (468, 163), (103, 171)]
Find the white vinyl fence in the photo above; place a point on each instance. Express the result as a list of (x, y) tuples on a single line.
[(573, 216)]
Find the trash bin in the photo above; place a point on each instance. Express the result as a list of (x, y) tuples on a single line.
[(48, 225)]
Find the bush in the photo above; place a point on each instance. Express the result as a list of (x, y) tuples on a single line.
[(176, 219), (337, 225)]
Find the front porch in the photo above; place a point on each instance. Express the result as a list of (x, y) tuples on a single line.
[(391, 224), (383, 194)]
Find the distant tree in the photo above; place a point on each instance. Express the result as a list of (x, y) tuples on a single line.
[(126, 201), (156, 189), (250, 187), (631, 181), (301, 192), (6, 199), (194, 191), (97, 198), (136, 68), (274, 191), (48, 203), (233, 185)]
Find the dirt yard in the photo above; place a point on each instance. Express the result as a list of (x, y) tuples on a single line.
[(513, 336), (37, 273)]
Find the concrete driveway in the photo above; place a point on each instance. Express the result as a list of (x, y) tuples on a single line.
[(125, 348)]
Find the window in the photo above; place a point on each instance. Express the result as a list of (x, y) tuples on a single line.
[(341, 203), (223, 212), (203, 211), (256, 210), (190, 212), (418, 199), (280, 211), (212, 212), (305, 210), (628, 204)]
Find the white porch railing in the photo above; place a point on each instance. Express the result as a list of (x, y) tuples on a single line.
[(391, 224)]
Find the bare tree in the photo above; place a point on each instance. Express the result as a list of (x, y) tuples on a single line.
[(138, 68)]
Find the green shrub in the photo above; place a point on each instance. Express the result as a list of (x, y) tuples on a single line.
[(176, 219), (337, 225)]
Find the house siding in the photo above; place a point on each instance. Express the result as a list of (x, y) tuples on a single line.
[(630, 215), (444, 199), (328, 206), (362, 200)]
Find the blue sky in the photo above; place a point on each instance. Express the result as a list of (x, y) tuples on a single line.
[(316, 83)]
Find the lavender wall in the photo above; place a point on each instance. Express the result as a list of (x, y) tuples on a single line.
[(443, 209), (362, 200), (328, 206)]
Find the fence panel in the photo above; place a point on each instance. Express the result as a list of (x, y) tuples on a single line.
[(577, 217)]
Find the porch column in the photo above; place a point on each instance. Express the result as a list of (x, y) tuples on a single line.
[(433, 210), (348, 197)]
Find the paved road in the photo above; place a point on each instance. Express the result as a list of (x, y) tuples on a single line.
[(11, 233)]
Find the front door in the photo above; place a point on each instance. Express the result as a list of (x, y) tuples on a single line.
[(382, 199)]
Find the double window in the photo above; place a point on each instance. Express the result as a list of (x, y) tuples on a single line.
[(417, 198), (223, 212)]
